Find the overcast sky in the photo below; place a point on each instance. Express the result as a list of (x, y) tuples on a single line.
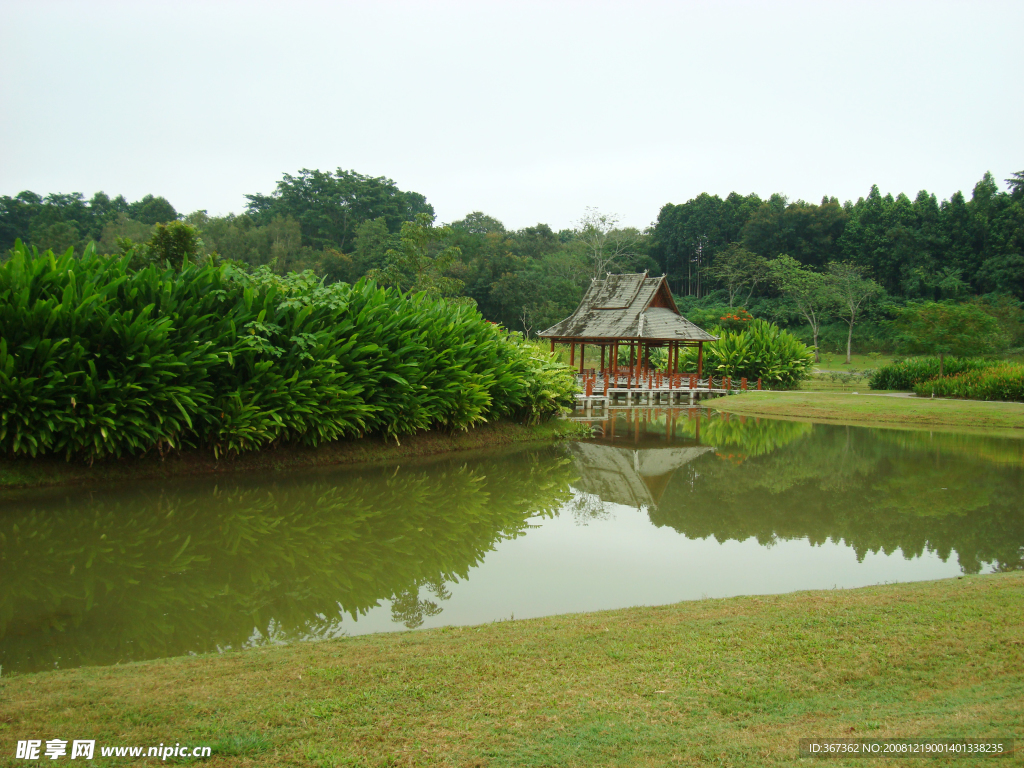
[(527, 111)]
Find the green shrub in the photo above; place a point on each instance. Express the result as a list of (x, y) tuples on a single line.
[(761, 351), (905, 374), (1001, 381), (98, 359)]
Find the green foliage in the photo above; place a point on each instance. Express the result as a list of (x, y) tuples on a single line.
[(737, 269), (421, 260), (143, 576), (175, 244), (999, 381), (98, 359), (906, 374), (948, 329), (914, 248), (737, 438), (152, 210), (330, 206), (761, 351)]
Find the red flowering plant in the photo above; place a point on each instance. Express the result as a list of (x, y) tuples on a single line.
[(736, 320)]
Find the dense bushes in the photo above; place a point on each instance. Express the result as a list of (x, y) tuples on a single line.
[(760, 351), (1001, 381), (98, 359), (905, 374)]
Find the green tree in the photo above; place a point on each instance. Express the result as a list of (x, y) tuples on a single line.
[(810, 292), (119, 230), (330, 206), (479, 223), (372, 242), (176, 243), (853, 290), (422, 260), (961, 330), (738, 269), (605, 244), (1016, 185), (153, 210)]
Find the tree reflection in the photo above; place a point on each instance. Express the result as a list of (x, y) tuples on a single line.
[(875, 490), (97, 578)]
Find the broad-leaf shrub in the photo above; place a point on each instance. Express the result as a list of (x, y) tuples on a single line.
[(98, 359), (905, 374), (760, 351), (1001, 381)]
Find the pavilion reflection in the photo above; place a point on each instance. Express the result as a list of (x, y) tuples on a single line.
[(636, 451)]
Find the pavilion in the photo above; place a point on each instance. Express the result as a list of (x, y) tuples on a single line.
[(635, 310)]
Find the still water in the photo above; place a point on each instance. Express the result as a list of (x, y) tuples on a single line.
[(664, 505)]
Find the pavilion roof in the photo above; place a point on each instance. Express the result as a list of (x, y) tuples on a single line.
[(636, 478), (629, 306)]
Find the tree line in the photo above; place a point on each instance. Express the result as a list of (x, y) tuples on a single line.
[(831, 271)]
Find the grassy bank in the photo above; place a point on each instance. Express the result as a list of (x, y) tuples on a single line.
[(879, 409), (49, 471), (726, 682)]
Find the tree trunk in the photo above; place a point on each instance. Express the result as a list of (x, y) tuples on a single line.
[(849, 343), (817, 355)]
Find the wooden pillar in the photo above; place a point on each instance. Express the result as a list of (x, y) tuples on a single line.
[(583, 348), (552, 345), (602, 359), (700, 358), (572, 353)]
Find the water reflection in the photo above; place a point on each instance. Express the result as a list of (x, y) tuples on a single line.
[(147, 571)]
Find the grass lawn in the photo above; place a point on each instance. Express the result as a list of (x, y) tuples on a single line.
[(828, 382), (836, 361), (879, 409), (732, 682)]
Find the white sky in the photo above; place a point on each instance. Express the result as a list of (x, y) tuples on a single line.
[(527, 111)]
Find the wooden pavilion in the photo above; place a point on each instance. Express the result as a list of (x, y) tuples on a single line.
[(635, 310)]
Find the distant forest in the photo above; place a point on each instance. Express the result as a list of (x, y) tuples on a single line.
[(719, 254)]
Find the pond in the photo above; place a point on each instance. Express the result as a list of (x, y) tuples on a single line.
[(664, 505)]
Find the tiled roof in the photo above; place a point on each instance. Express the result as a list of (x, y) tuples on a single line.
[(618, 308), (629, 476)]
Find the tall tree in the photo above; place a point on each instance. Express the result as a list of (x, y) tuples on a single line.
[(739, 269), (963, 330), (605, 244), (330, 206), (810, 292), (853, 290), (422, 260)]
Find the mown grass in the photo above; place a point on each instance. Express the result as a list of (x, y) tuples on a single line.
[(50, 471), (835, 381), (834, 361), (879, 409), (731, 682)]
